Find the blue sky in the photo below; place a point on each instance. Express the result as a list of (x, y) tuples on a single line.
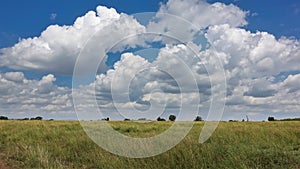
[(27, 19)]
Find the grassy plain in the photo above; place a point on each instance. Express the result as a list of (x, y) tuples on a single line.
[(64, 144)]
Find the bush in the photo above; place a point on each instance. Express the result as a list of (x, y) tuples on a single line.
[(105, 119), (126, 119), (37, 118), (295, 119), (172, 117), (161, 119), (3, 118), (271, 119), (198, 118)]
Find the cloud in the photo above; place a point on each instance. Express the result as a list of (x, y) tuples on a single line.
[(14, 76), (203, 14), (134, 83), (254, 54), (53, 16), (21, 97), (291, 83), (169, 83), (183, 20), (254, 14), (256, 90), (252, 62), (57, 48)]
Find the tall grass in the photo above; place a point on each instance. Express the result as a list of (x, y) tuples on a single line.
[(63, 144)]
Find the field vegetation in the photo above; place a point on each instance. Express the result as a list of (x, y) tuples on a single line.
[(64, 144)]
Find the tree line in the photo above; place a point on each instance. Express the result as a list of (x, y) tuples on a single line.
[(26, 118), (289, 119), (171, 118)]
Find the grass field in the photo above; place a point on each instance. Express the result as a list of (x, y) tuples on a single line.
[(63, 144)]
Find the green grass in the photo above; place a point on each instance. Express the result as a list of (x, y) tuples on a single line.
[(63, 144)]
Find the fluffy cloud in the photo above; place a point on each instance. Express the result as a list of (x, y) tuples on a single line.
[(57, 48), (254, 54), (182, 20), (255, 88), (134, 84), (253, 62), (291, 83), (203, 14), (14, 76), (21, 97)]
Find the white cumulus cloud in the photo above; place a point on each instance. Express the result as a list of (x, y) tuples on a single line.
[(57, 48), (21, 97)]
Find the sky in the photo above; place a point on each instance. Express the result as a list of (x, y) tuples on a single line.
[(175, 67)]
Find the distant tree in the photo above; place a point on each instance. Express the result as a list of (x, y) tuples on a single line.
[(3, 118), (289, 119), (243, 120), (198, 118), (126, 119), (26, 118), (172, 117), (37, 118), (271, 119), (161, 119)]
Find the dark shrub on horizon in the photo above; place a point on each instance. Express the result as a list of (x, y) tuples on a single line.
[(172, 117), (271, 119), (198, 118), (294, 119), (105, 119), (3, 118), (37, 118), (161, 119)]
